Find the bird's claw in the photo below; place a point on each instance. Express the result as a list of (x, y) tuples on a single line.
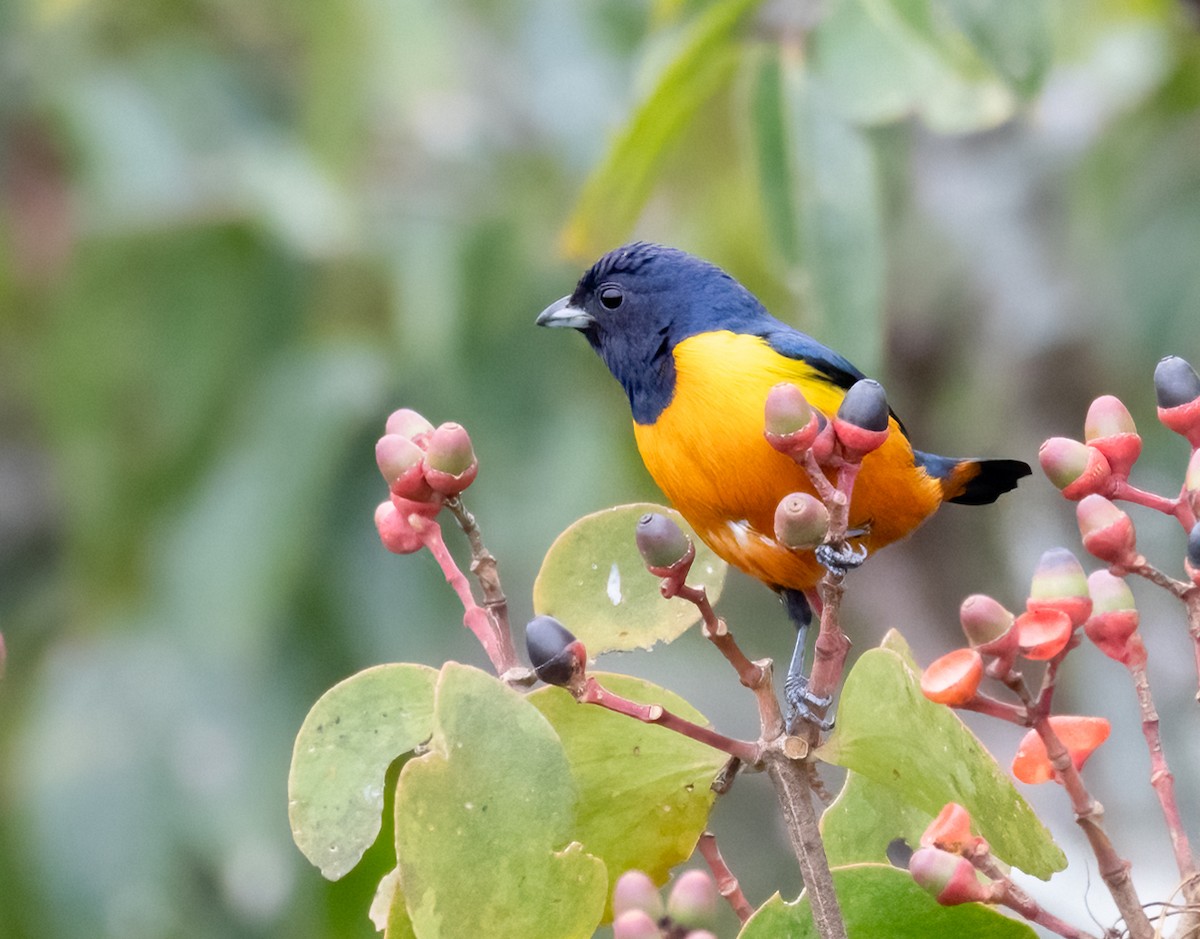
[(805, 706), (838, 559)]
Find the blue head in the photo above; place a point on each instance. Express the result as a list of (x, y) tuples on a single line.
[(638, 301)]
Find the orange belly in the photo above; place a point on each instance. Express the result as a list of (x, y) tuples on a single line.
[(707, 453)]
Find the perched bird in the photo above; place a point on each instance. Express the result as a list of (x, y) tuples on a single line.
[(697, 354)]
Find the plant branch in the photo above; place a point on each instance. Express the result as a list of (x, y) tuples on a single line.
[(727, 883)]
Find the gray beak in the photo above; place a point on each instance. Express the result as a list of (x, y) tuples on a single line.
[(561, 313)]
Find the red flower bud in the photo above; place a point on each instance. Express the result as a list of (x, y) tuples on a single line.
[(402, 464), (1177, 387), (1080, 735), (408, 423), (1115, 618), (861, 424), (1108, 533), (953, 678), (557, 657), (636, 891), (1110, 429), (1060, 584), (1044, 633), (791, 423), (801, 521), (395, 531), (450, 464), (951, 831), (950, 878), (1074, 467), (693, 900)]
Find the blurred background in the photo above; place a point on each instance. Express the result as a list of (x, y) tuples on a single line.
[(235, 234)]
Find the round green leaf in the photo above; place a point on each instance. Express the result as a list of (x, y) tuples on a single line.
[(484, 822), (594, 581), (644, 791), (864, 818), (348, 740), (880, 901), (926, 756)]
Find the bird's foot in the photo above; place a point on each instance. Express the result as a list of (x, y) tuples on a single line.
[(840, 558), (805, 706)]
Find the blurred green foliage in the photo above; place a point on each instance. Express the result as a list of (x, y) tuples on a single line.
[(233, 236)]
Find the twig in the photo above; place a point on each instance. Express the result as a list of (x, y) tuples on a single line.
[(1018, 900), (727, 883)]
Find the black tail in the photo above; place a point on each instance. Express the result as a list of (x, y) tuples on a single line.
[(973, 482)]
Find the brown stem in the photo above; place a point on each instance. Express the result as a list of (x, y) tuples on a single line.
[(1004, 710), (727, 883), (592, 692), (1114, 869), (793, 788)]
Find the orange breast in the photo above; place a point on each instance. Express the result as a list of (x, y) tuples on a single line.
[(707, 453)]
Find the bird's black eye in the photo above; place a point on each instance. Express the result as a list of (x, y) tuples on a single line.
[(611, 296)]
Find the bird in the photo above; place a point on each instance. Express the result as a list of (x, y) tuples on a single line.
[(697, 353)]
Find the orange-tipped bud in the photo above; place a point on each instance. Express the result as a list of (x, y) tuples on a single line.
[(1107, 531), (1059, 583), (1177, 387), (951, 831), (1114, 618), (636, 891), (954, 678), (951, 879), (408, 423), (1042, 634), (791, 423), (1080, 735), (861, 424), (450, 463), (801, 521), (395, 531), (1074, 467), (665, 549), (1110, 429)]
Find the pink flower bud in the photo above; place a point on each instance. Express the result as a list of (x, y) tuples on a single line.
[(861, 424), (951, 831), (801, 521), (1060, 584), (450, 464), (408, 423), (1080, 735), (635, 924), (791, 423), (395, 531), (1107, 532), (1115, 618), (984, 620), (1074, 467), (1043, 633), (950, 878), (693, 900), (664, 547), (402, 464), (953, 678), (1110, 429), (1177, 387), (636, 891), (1191, 483)]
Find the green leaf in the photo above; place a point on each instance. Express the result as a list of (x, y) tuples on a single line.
[(614, 194), (864, 818), (345, 745), (881, 902), (388, 912), (484, 822), (889, 732), (644, 791), (1012, 36), (594, 581)]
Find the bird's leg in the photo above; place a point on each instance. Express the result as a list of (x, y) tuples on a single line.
[(802, 704), (840, 558)]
